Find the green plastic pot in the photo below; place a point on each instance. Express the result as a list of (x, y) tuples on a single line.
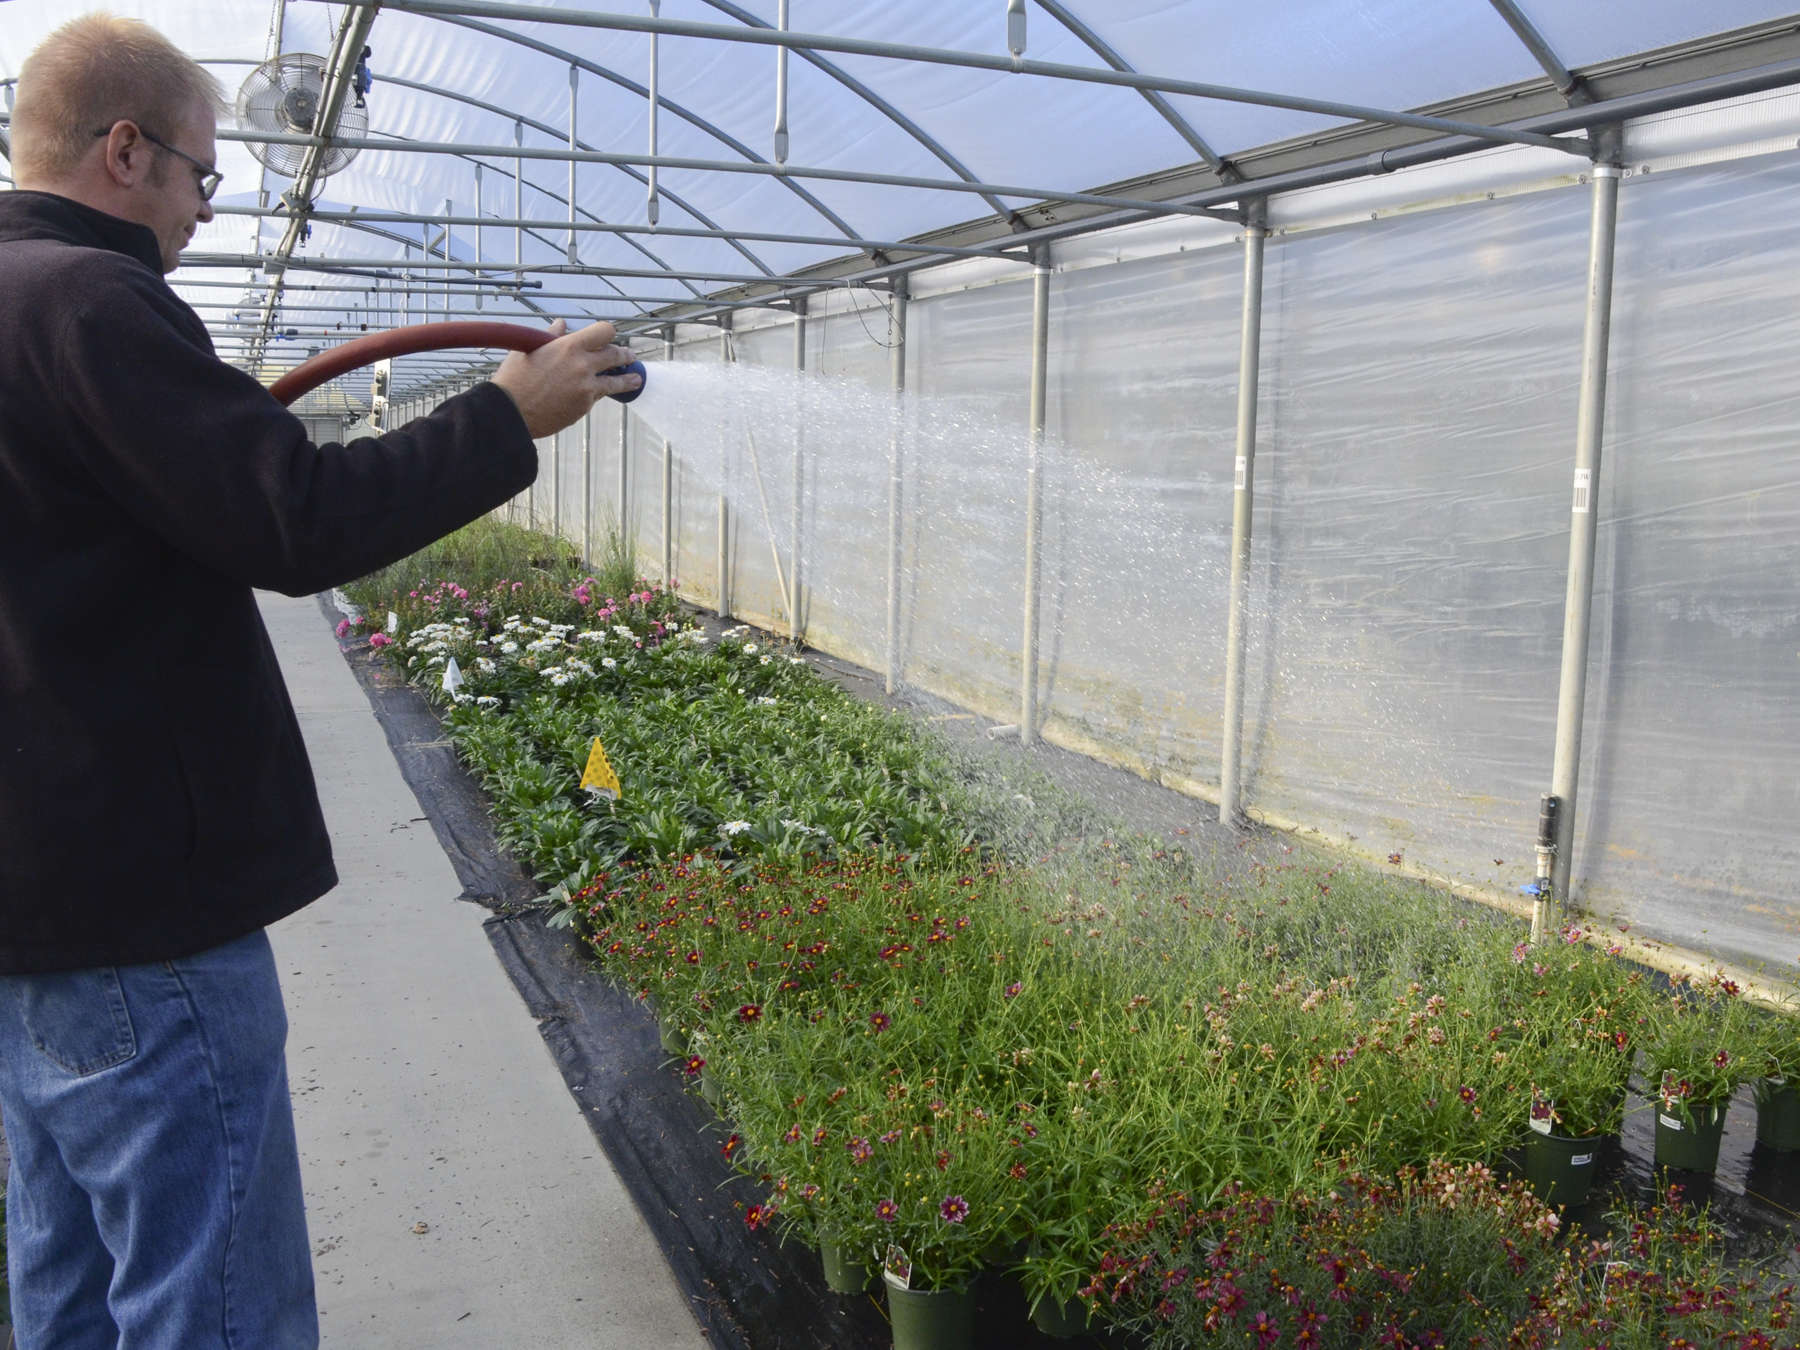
[(846, 1272), (1060, 1318), (931, 1319), (1560, 1168), (1689, 1138), (1778, 1114)]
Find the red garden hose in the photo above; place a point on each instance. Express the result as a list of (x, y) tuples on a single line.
[(420, 337)]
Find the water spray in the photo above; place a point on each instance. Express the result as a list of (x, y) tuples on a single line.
[(425, 337)]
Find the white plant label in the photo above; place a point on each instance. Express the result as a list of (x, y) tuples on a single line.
[(1670, 1121), (1584, 480), (393, 622), (897, 1267), (453, 676)]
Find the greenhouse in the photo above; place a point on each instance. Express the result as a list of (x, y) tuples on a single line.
[(1278, 529)]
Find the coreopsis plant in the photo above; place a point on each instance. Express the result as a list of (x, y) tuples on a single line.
[(1441, 1256), (1700, 1043)]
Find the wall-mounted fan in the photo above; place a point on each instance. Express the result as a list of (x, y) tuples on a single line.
[(287, 95)]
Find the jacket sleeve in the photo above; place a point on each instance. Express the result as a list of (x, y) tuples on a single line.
[(203, 457)]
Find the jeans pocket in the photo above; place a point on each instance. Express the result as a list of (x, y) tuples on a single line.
[(77, 1019)]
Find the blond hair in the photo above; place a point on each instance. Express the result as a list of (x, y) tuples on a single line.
[(90, 73)]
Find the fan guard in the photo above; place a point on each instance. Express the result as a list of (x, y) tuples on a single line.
[(286, 95)]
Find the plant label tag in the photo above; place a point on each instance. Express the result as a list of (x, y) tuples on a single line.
[(1541, 1126), (1584, 482), (598, 777), (1581, 1160), (1243, 473), (393, 622), (453, 677), (1669, 1122), (897, 1267)]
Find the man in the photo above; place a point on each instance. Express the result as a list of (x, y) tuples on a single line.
[(156, 805)]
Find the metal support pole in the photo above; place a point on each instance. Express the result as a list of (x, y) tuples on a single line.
[(897, 352), (799, 476), (724, 551), (1034, 508), (668, 485), (587, 487), (478, 211), (448, 212), (1546, 915), (624, 478), (1243, 499)]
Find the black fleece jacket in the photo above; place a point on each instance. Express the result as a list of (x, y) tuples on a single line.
[(155, 796)]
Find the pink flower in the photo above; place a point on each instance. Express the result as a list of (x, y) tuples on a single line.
[(1012, 990), (380, 640), (954, 1209), (887, 1211)]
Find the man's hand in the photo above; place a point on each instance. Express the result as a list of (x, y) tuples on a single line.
[(556, 385)]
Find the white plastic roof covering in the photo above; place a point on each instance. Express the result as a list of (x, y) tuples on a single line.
[(472, 80)]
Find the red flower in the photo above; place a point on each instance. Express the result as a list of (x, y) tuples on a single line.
[(880, 1021), (730, 1146), (694, 1065), (860, 1150), (693, 957), (887, 1211), (1012, 990), (758, 1215), (749, 1012), (954, 1209), (942, 1160), (1017, 1171), (1721, 1059)]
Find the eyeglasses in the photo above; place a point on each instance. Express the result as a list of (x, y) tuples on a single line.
[(208, 179)]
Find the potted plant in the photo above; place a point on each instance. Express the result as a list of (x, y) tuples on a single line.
[(1700, 1044), (1777, 1060), (1577, 1102)]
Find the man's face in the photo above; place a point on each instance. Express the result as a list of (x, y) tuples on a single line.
[(173, 206)]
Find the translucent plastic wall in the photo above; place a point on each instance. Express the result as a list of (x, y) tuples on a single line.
[(1416, 434)]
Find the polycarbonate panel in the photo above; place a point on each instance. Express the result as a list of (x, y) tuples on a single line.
[(1138, 498), (763, 531), (1689, 794), (1416, 433), (964, 454), (1585, 34)]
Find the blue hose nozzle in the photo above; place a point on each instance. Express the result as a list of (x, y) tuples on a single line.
[(630, 368)]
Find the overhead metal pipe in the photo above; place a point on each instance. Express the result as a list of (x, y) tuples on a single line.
[(896, 447), (754, 168), (781, 88), (1034, 510), (574, 94), (1546, 916), (828, 42), (518, 192), (367, 218), (1243, 500), (650, 203), (479, 254)]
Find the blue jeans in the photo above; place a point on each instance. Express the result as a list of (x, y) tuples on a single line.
[(154, 1201)]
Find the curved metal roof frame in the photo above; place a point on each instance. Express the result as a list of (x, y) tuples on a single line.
[(1366, 141)]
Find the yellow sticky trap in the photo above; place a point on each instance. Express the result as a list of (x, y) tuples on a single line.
[(599, 777)]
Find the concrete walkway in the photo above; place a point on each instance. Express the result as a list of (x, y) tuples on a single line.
[(455, 1195)]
